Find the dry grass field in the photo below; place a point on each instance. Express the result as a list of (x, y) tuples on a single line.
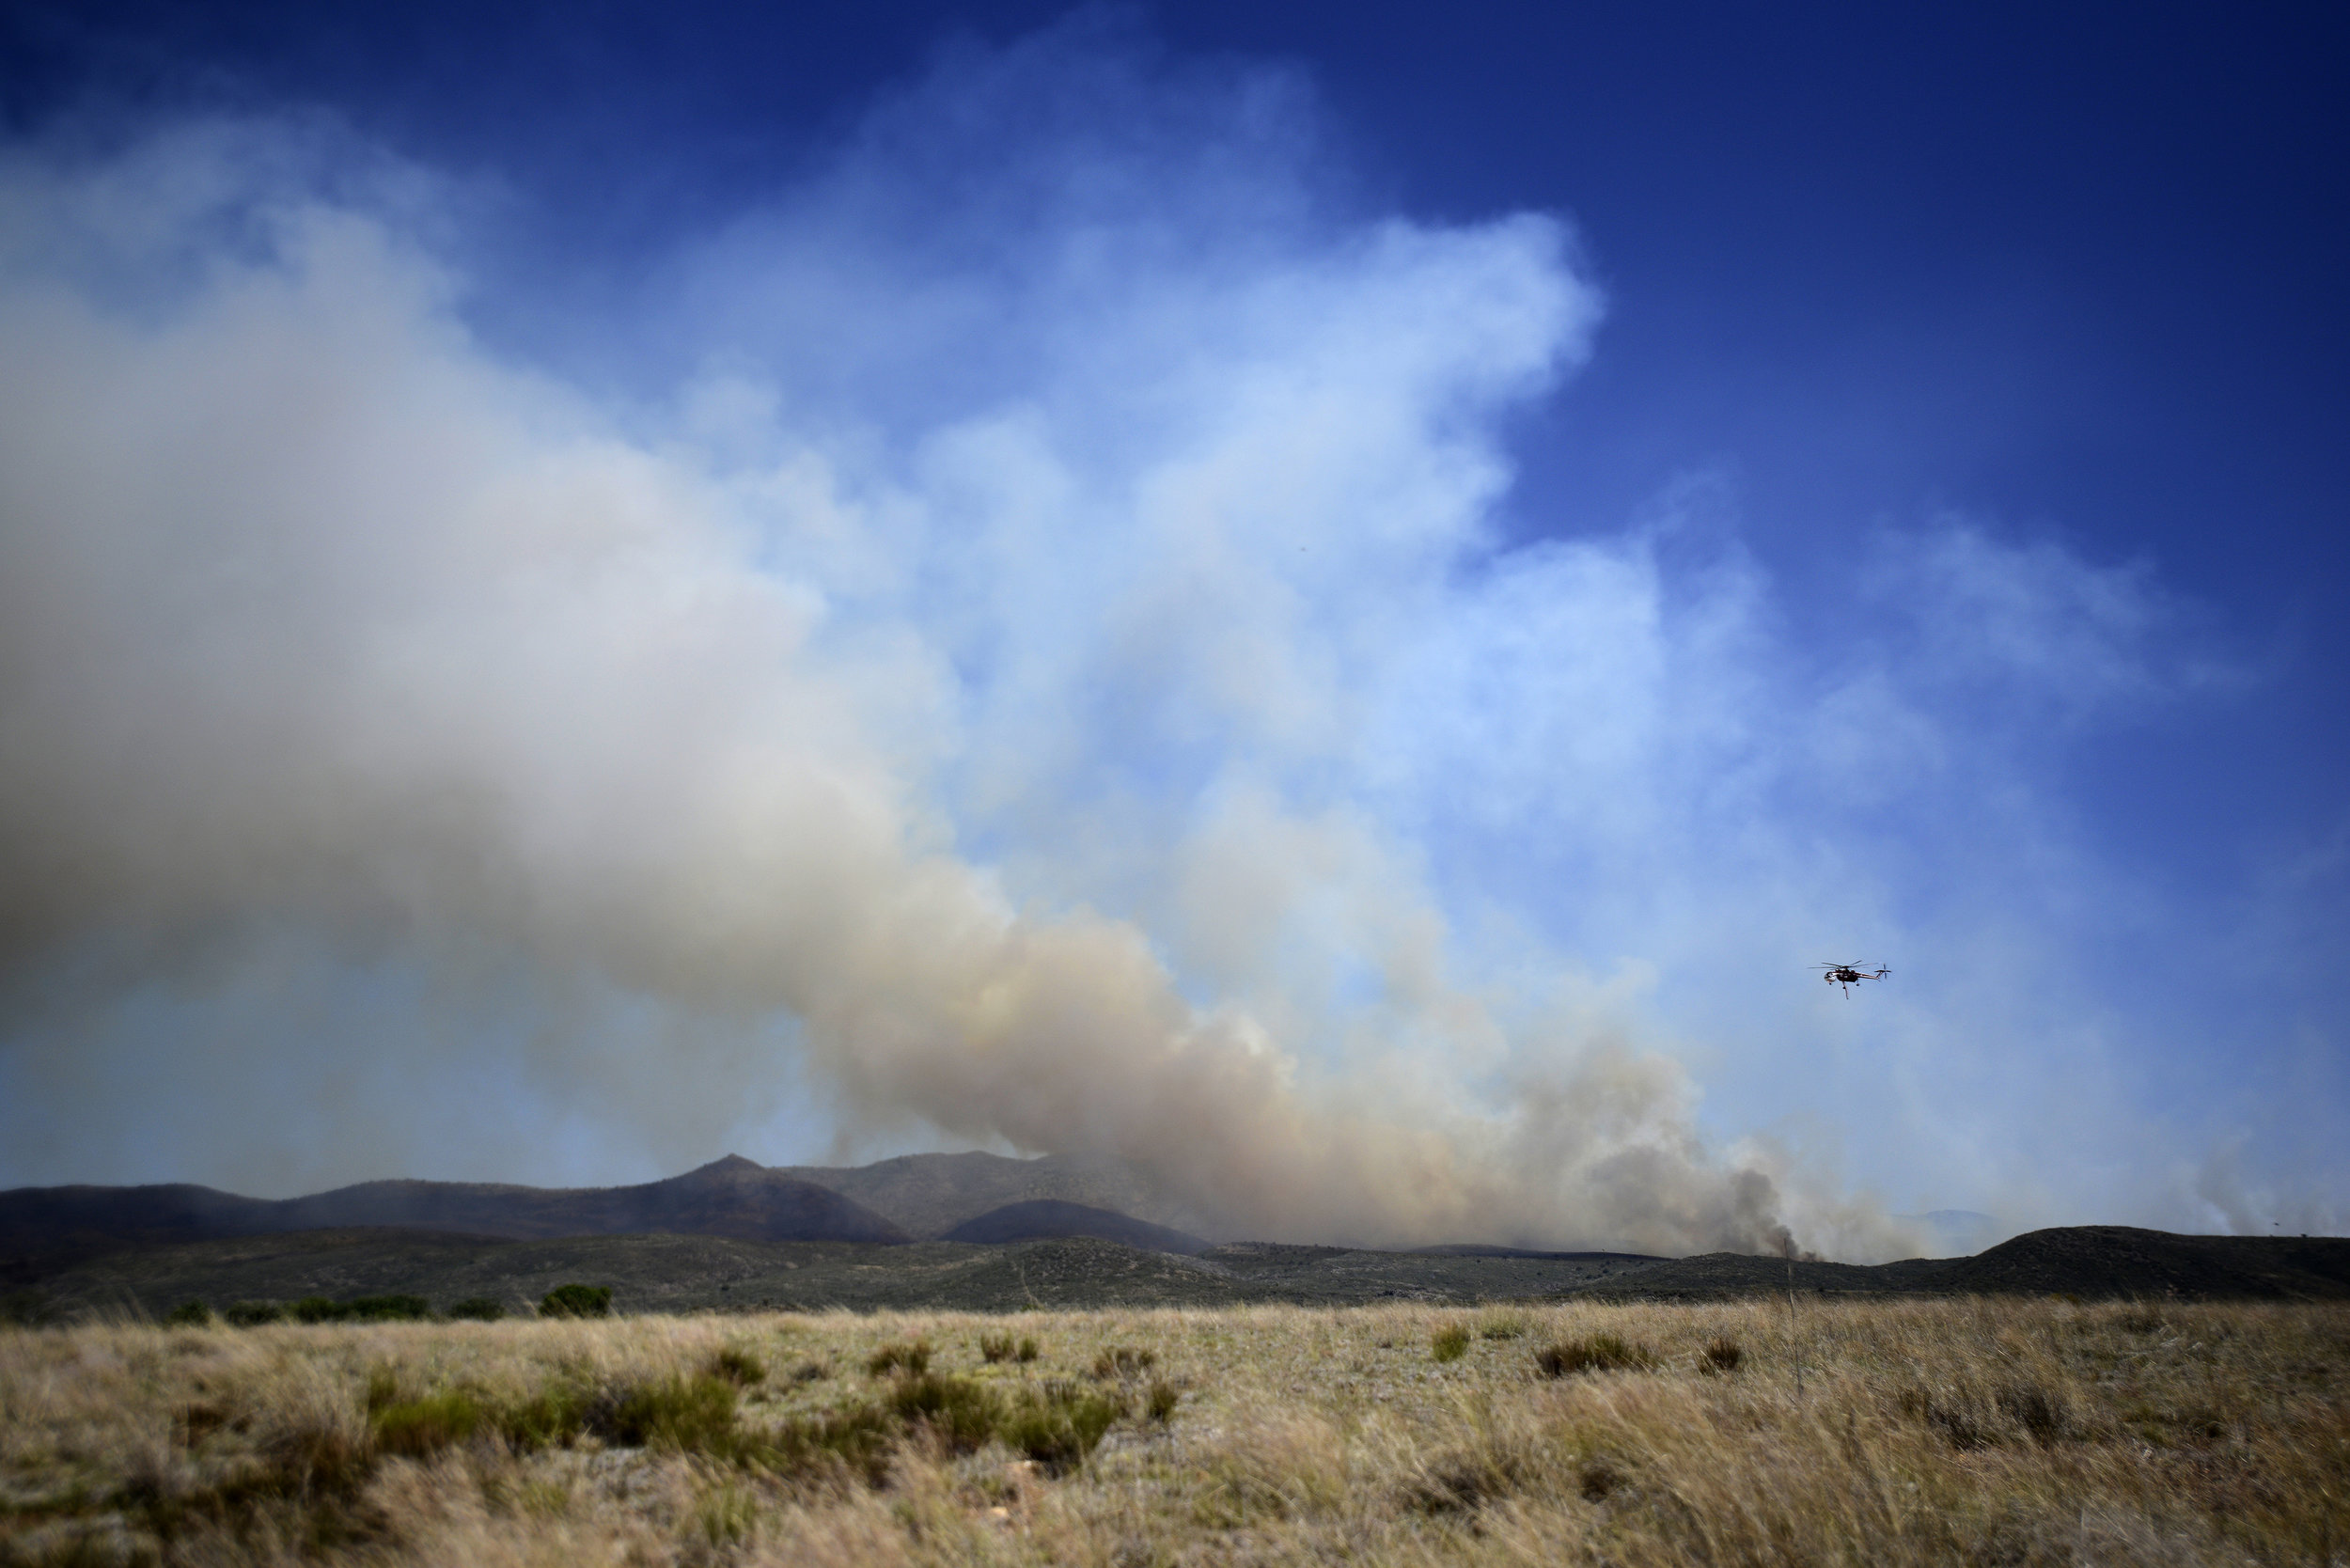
[(1918, 1431)]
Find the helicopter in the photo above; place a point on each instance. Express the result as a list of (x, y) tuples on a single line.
[(1845, 974)]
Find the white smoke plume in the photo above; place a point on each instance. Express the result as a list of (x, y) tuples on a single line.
[(1029, 658)]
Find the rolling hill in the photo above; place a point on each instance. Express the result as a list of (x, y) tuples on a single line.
[(44, 1227)]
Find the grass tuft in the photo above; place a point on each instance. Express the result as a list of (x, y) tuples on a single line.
[(685, 1415), (913, 1356), (418, 1428), (1059, 1425), (959, 1414), (1123, 1363), (1450, 1344), (1721, 1354), (994, 1348), (1596, 1353)]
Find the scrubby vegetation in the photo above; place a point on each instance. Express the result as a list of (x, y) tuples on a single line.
[(577, 1301), (1919, 1432)]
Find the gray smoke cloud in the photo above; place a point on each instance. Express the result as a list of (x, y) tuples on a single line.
[(1021, 666)]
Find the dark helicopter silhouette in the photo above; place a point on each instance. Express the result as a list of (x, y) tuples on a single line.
[(1845, 974)]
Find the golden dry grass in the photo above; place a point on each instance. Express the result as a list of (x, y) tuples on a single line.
[(1908, 1432)]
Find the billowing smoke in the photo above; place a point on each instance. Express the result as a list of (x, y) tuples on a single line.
[(1030, 656)]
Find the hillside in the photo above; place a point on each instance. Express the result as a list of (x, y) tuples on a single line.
[(929, 1195), (1042, 1217), (44, 1229)]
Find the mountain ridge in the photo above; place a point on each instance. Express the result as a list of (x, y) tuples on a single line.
[(732, 1196)]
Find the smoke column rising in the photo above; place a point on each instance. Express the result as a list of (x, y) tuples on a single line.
[(1033, 653)]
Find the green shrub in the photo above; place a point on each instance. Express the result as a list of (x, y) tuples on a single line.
[(1599, 1353), (913, 1357), (478, 1309), (994, 1348), (577, 1301), (1450, 1344), (386, 1309), (554, 1415), (961, 1414), (315, 1309), (247, 1314), (692, 1415), (383, 1388), (853, 1441), (423, 1427), (1027, 1351), (190, 1314), (738, 1367), (1059, 1425)]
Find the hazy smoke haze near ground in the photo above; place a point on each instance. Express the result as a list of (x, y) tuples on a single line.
[(1026, 648)]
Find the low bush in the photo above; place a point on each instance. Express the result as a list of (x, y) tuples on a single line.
[(689, 1414), (387, 1308), (552, 1416), (478, 1309), (365, 1309), (1599, 1353), (248, 1314), (190, 1314), (913, 1356), (994, 1348), (1027, 1351), (577, 1301), (1450, 1344), (960, 1414), (856, 1443), (1465, 1480), (677, 1413), (420, 1428), (738, 1367), (1059, 1424)]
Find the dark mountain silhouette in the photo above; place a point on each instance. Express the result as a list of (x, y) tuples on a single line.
[(2097, 1260), (927, 1195), (1040, 1217), (42, 1227), (2092, 1261)]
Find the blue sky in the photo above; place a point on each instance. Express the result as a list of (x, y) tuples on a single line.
[(1333, 604)]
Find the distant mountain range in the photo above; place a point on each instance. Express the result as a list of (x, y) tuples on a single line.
[(965, 1197), (967, 1230), (41, 1227)]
